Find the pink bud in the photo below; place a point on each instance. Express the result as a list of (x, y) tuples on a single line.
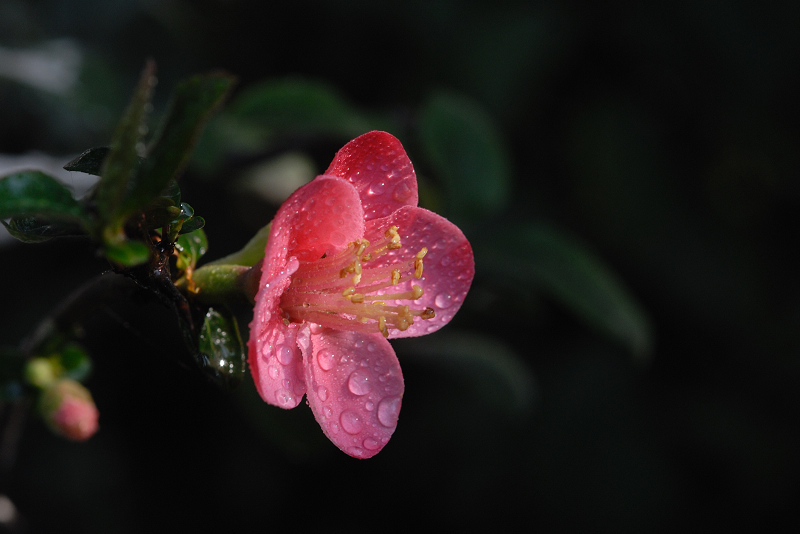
[(68, 409)]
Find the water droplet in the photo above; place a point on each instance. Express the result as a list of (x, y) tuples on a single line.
[(377, 187), (322, 392), (371, 347), (359, 343), (334, 428), (315, 328), (285, 354), (443, 300), (369, 405), (326, 359), (357, 452), (351, 422), (389, 411), (327, 411), (285, 398), (371, 444), (401, 192), (445, 261), (358, 383), (273, 372)]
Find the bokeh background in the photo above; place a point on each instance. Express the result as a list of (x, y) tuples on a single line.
[(628, 359)]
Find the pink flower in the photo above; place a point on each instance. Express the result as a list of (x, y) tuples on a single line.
[(351, 261), (69, 410)]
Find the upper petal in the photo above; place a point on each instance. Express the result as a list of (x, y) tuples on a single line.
[(355, 388), (448, 266), (322, 216), (378, 167)]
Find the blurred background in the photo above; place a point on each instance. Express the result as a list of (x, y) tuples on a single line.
[(628, 358)]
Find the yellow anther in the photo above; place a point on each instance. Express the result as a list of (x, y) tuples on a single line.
[(416, 292), (402, 324), (395, 277), (382, 326), (357, 298), (362, 246), (418, 268), (349, 291), (366, 257), (428, 314), (422, 252)]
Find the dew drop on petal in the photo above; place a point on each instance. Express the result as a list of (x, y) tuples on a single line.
[(377, 187), (389, 411), (322, 392), (273, 372), (326, 359), (443, 300), (371, 347), (285, 398), (358, 383), (356, 452), (285, 354), (351, 422), (401, 192), (369, 406), (371, 444)]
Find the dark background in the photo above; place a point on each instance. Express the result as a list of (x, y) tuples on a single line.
[(661, 138)]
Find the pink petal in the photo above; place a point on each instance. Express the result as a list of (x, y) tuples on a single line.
[(322, 216), (448, 267), (378, 167), (355, 388), (275, 359)]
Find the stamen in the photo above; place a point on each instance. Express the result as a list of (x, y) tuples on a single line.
[(342, 291)]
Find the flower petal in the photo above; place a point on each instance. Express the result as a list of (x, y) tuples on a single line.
[(448, 266), (322, 216), (378, 167), (355, 388), (275, 359)]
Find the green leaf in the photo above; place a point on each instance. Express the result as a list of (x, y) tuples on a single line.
[(120, 165), (39, 229), (296, 106), (221, 347), (31, 193), (126, 253), (89, 161), (159, 213), (190, 248), (172, 192), (464, 148), (541, 256), (195, 223), (192, 104)]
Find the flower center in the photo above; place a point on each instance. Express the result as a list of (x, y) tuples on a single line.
[(341, 290)]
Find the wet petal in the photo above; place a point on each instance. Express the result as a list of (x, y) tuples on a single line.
[(355, 388), (448, 266), (322, 216), (276, 362), (378, 167)]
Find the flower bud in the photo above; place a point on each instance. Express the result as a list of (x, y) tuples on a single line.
[(68, 409)]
